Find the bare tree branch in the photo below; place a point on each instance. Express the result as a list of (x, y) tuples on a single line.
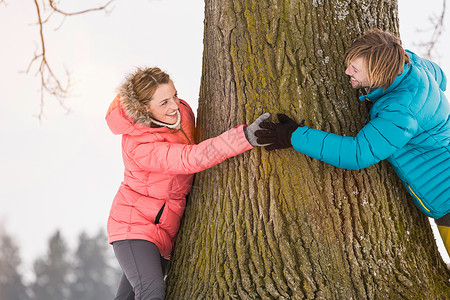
[(438, 28), (53, 5), (50, 82)]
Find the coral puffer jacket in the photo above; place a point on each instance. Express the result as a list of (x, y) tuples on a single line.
[(159, 167), (409, 126)]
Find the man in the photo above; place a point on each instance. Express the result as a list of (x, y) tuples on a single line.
[(409, 124)]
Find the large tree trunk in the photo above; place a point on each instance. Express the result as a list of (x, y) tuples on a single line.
[(281, 225)]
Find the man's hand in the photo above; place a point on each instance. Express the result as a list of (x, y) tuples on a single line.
[(277, 135)]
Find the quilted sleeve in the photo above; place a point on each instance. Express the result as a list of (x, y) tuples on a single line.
[(380, 138), (170, 158)]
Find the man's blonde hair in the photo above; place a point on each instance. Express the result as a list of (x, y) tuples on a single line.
[(383, 55)]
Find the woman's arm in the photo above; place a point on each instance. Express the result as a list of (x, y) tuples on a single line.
[(171, 158)]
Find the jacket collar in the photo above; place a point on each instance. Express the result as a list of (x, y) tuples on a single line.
[(376, 94), (177, 124)]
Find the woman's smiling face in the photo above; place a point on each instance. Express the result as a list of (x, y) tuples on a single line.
[(164, 103)]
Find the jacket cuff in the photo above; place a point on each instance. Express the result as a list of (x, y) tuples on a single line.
[(242, 139)]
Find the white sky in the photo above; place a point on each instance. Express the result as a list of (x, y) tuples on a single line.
[(63, 172)]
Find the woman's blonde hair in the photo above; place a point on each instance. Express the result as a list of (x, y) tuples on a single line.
[(383, 55), (145, 81)]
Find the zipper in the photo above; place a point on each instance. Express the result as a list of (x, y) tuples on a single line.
[(368, 115), (418, 199), (158, 216), (181, 129)]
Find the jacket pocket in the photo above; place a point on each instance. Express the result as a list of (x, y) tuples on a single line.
[(418, 199), (158, 216)]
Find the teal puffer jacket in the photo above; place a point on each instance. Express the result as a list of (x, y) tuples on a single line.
[(409, 126)]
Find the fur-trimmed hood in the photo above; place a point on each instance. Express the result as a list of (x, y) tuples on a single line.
[(127, 115), (121, 121), (133, 108), (136, 110)]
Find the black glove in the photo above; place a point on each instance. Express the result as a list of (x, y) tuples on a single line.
[(277, 135)]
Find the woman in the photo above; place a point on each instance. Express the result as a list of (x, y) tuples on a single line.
[(160, 159)]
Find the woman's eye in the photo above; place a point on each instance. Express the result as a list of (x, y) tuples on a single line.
[(164, 102)]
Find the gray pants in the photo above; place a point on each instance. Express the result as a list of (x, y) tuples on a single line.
[(143, 270)]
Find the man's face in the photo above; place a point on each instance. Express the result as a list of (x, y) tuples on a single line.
[(358, 73)]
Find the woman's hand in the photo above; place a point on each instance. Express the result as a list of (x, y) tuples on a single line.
[(250, 130)]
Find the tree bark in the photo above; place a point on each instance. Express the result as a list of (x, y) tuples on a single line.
[(281, 225)]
